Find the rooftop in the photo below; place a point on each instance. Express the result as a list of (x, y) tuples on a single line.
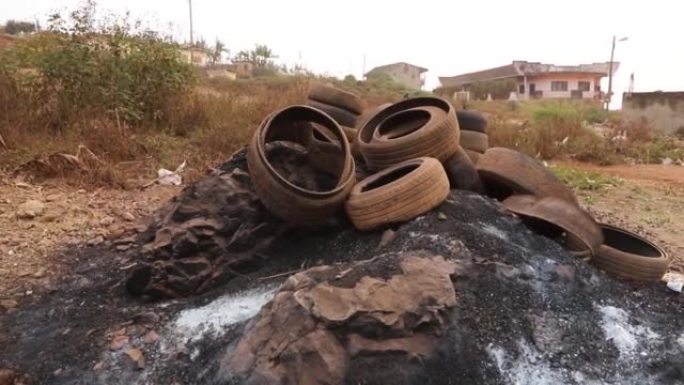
[(388, 66), (525, 68)]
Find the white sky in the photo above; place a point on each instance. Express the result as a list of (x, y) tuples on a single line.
[(447, 37)]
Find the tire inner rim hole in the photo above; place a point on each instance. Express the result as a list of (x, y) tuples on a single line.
[(317, 134), (402, 123), (390, 177), (628, 243)]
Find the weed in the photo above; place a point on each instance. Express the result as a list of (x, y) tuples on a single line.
[(585, 180)]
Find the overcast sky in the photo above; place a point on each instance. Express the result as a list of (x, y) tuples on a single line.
[(447, 37)]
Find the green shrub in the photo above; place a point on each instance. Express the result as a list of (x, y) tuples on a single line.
[(596, 115), (76, 71)]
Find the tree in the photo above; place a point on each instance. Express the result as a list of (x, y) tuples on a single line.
[(260, 56), (14, 27), (216, 53), (263, 55)]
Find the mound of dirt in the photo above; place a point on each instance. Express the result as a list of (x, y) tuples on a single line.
[(463, 294)]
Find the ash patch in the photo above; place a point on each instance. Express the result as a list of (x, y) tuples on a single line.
[(210, 320)]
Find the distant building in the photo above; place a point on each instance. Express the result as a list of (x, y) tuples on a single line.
[(410, 75), (195, 56), (226, 71), (663, 112), (537, 80)]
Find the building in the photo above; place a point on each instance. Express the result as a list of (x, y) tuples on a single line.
[(195, 55), (225, 71), (537, 80), (663, 112), (410, 75)]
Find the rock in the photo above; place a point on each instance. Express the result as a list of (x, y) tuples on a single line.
[(387, 237), (296, 337), (122, 247), (97, 367), (7, 377), (118, 342), (106, 221), (128, 216), (30, 209), (53, 197), (150, 337), (40, 273), (58, 372), (9, 303), (146, 318), (441, 216), (95, 241), (136, 356)]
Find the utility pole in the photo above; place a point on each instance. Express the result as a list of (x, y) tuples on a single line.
[(192, 41), (609, 96)]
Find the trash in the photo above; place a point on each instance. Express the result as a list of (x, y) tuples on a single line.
[(675, 281), (169, 178)]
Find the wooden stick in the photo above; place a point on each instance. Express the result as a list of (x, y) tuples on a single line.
[(280, 274)]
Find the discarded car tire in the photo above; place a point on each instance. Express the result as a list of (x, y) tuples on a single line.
[(583, 234), (398, 193), (361, 121), (520, 174), (462, 173), (341, 116), (336, 97), (285, 199), (411, 128), (350, 133), (474, 141), (474, 156), (469, 120), (625, 254)]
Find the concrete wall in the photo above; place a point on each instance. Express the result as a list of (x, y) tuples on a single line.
[(662, 111), (543, 84), (407, 75)]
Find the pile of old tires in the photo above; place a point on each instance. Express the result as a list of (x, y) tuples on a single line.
[(474, 139), (344, 107), (410, 154)]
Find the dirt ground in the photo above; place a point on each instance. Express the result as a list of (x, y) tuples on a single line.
[(650, 201), (31, 248)]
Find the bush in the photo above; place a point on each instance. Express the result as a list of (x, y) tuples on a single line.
[(77, 71)]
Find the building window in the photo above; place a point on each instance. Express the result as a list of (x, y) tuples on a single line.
[(559, 86), (521, 89), (583, 86)]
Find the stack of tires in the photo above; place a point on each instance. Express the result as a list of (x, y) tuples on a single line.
[(407, 145), (344, 107), (474, 138)]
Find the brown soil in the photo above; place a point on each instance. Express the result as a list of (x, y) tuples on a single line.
[(647, 173), (31, 249), (650, 202)]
